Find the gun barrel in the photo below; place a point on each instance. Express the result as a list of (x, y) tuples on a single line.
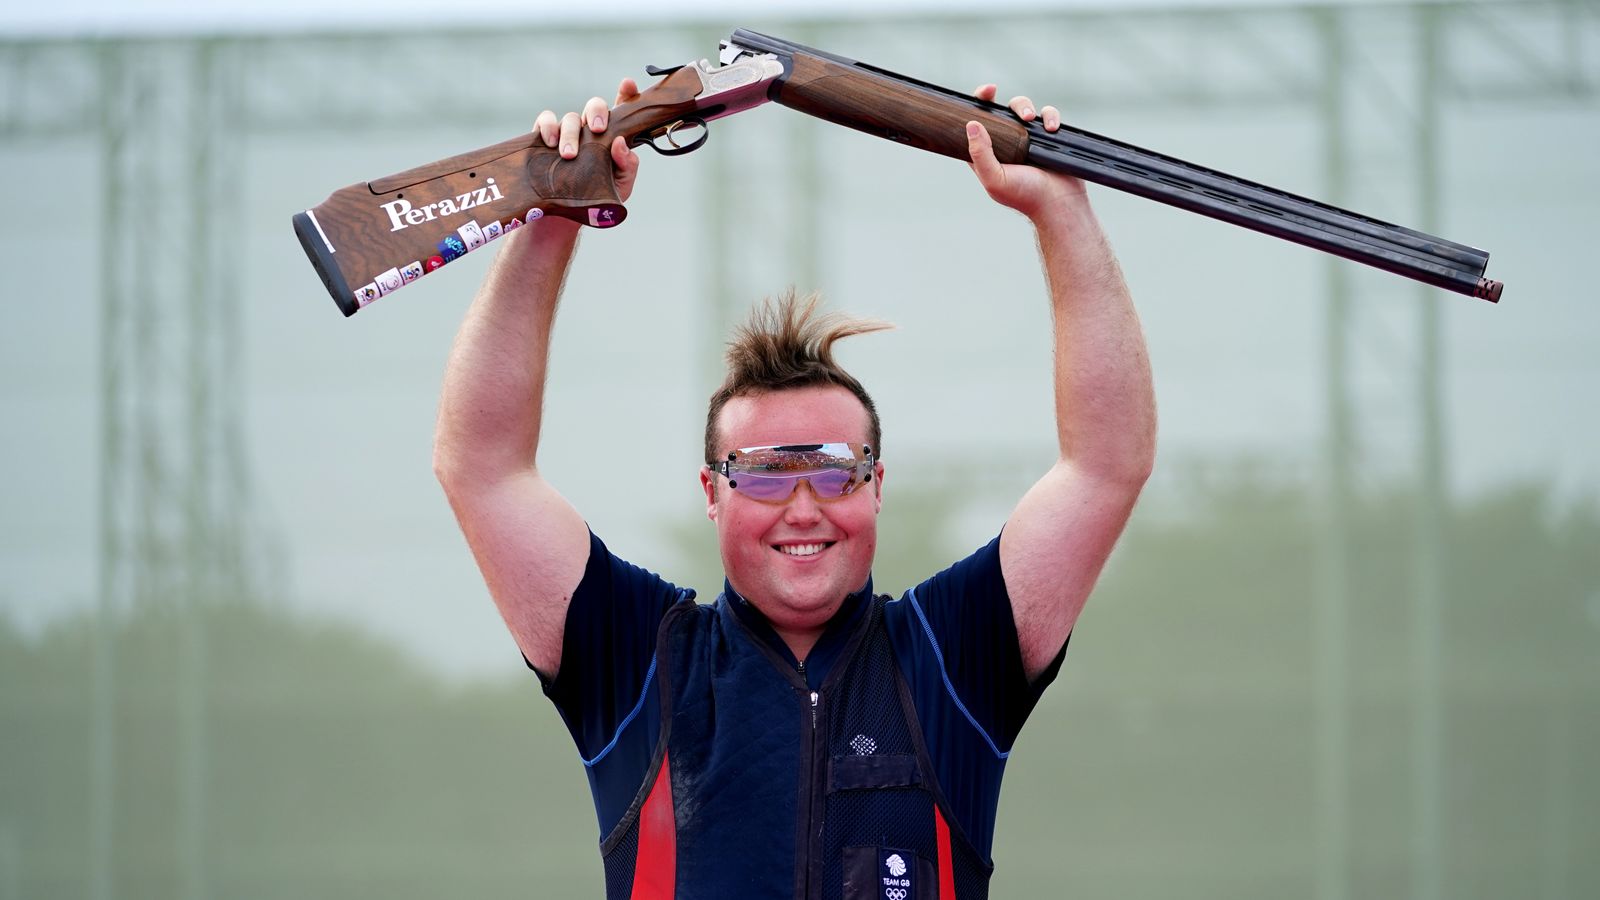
[(1393, 248), (811, 85)]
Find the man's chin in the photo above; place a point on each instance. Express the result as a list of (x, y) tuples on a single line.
[(802, 606)]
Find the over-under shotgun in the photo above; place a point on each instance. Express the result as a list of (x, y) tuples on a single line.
[(371, 238)]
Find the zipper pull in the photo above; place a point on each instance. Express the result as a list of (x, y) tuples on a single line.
[(813, 709)]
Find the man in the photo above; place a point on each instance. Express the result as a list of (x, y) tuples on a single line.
[(801, 736)]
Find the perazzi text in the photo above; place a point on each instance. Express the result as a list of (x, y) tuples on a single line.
[(401, 209)]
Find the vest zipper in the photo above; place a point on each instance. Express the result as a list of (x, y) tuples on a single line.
[(801, 669), (813, 831), (813, 835)]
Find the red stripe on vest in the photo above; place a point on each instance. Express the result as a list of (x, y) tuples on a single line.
[(947, 872), (655, 868)]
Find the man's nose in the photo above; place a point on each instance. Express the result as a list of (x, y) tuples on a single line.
[(802, 506)]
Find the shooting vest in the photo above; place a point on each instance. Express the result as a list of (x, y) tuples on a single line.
[(762, 788)]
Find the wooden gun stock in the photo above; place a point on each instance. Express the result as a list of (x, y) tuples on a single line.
[(370, 239)]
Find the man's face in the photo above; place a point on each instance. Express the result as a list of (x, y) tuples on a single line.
[(759, 539)]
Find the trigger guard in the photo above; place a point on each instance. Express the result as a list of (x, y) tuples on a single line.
[(696, 144)]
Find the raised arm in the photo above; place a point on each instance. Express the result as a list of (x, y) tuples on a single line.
[(529, 542), (1059, 536)]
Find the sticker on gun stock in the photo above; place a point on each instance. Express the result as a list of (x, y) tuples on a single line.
[(492, 231), (471, 235), (514, 224), (451, 249), (433, 263), (366, 294), (388, 282), (411, 271), (535, 213)]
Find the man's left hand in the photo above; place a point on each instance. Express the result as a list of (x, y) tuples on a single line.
[(1026, 189)]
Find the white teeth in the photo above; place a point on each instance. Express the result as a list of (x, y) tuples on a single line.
[(801, 549)]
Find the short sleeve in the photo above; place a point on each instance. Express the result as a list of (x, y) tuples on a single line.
[(607, 646), (965, 614)]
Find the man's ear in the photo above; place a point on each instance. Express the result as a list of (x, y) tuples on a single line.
[(708, 483), (877, 484)]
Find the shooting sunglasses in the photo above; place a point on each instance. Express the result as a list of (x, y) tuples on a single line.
[(771, 474)]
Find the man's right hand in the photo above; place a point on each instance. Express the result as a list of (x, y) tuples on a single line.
[(530, 543), (563, 131)]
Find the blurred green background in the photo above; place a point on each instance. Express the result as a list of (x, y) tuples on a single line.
[(1347, 648)]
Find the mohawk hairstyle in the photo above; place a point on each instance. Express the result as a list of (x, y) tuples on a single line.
[(786, 343)]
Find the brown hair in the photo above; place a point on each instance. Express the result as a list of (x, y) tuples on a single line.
[(787, 344)]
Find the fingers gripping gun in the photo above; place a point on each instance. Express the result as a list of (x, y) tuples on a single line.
[(371, 238)]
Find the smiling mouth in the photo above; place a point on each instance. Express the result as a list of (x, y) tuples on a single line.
[(802, 550)]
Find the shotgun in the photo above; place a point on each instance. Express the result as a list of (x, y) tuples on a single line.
[(371, 238)]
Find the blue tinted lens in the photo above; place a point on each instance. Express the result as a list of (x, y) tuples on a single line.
[(764, 487), (828, 484), (772, 473)]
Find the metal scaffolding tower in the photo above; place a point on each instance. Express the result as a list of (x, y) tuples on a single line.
[(174, 496)]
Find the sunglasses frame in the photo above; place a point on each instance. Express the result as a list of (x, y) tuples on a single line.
[(865, 463)]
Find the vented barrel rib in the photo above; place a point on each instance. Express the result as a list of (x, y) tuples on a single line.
[(919, 114)]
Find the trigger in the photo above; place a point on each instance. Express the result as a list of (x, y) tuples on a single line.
[(657, 71)]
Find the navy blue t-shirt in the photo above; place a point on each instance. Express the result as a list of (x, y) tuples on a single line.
[(953, 636)]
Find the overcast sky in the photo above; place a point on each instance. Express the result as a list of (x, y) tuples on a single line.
[(77, 17)]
